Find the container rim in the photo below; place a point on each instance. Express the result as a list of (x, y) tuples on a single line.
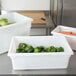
[(40, 54), (15, 24), (60, 26), (33, 54)]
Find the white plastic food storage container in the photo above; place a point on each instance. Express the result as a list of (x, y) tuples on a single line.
[(71, 39), (21, 26), (56, 60)]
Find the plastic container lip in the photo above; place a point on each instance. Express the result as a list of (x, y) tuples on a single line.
[(16, 23), (59, 29), (14, 13), (10, 53), (39, 54), (8, 16), (71, 39), (6, 26)]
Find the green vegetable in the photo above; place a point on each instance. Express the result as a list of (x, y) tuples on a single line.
[(29, 49), (3, 21), (25, 48), (36, 50), (39, 49), (22, 46), (18, 50), (60, 49), (51, 49)]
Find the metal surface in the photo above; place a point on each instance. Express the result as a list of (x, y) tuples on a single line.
[(53, 15), (56, 11), (69, 13), (0, 7), (60, 12), (6, 68), (64, 12)]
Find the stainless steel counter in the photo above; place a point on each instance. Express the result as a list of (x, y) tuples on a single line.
[(6, 68)]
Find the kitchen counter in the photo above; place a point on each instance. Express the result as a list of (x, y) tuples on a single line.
[(6, 68)]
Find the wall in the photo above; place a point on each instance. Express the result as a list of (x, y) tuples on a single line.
[(25, 4)]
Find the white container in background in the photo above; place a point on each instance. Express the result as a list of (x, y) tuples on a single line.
[(21, 27), (71, 39), (24, 61)]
